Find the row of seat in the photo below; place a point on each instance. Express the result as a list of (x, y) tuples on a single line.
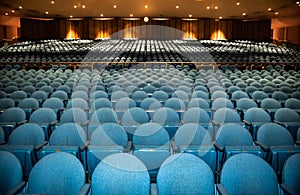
[(146, 50), (126, 174)]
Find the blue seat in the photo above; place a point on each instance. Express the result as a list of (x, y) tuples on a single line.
[(198, 177), (74, 115), (56, 104), (168, 118), (151, 145), (291, 175), (11, 177), (176, 104), (133, 118), (194, 139), (138, 96), (122, 105), (40, 96), (46, 118), (12, 118), (6, 103), (68, 137), (28, 105), (255, 118), (120, 173), (25, 142), (62, 174), (270, 105), (101, 116), (108, 138), (277, 143), (288, 118), (247, 174), (232, 139)]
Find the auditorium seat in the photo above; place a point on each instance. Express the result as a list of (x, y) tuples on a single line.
[(62, 174), (108, 138), (291, 175), (29, 105), (277, 143), (120, 174), (198, 177), (247, 174), (11, 181), (151, 145)]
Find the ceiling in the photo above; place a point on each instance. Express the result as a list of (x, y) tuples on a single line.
[(227, 9)]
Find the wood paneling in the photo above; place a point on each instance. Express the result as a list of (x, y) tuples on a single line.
[(203, 28)]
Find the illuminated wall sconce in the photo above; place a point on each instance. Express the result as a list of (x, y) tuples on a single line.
[(146, 19)]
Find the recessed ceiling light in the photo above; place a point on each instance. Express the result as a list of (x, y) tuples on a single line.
[(177, 7), (216, 7), (6, 14), (52, 2), (269, 9), (190, 15), (20, 7), (244, 14), (207, 7), (146, 6), (13, 11), (101, 15), (238, 3), (115, 6), (83, 6), (71, 16), (220, 17), (46, 12), (75, 6), (131, 15), (276, 13), (298, 2)]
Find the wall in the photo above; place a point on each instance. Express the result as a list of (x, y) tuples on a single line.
[(9, 27), (286, 29), (201, 28)]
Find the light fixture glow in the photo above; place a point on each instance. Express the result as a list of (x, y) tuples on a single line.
[(216, 7), (20, 7), (131, 15), (238, 3), (75, 6), (190, 15), (46, 12), (13, 11), (177, 7), (71, 16), (244, 14), (52, 2), (101, 15), (146, 6), (276, 13), (6, 14), (207, 7), (269, 9), (146, 19), (220, 17), (115, 6), (83, 6), (298, 2)]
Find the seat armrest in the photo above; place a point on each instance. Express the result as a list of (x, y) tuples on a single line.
[(86, 123), (215, 122), (2, 142), (53, 123), (84, 146), (286, 189), (278, 122), (219, 147), (128, 146), (297, 142), (17, 188), (21, 122), (222, 190), (247, 122), (174, 148), (38, 147), (85, 189), (263, 146)]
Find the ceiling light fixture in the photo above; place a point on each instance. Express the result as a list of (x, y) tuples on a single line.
[(269, 9), (52, 2), (83, 6), (146, 19), (220, 17), (131, 15), (177, 7), (6, 14), (298, 2), (46, 12), (75, 6), (146, 6), (244, 14), (101, 15), (238, 3), (13, 11), (276, 13), (115, 6), (71, 16), (190, 15), (20, 7), (207, 7)]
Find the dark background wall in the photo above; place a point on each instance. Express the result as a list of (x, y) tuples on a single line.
[(199, 29)]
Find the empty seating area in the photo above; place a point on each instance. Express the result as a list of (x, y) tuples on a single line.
[(158, 129)]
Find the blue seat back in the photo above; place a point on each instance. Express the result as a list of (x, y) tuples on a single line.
[(27, 134)]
